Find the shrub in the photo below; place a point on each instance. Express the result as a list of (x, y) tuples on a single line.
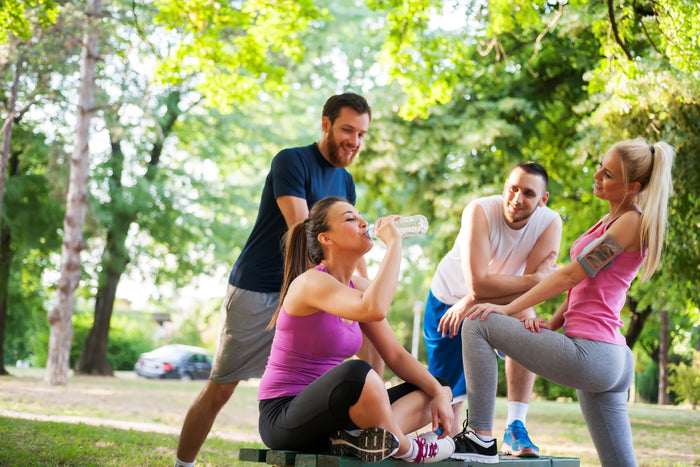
[(551, 391), (684, 380), (648, 383), (129, 336)]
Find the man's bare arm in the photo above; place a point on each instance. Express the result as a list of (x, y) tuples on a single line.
[(495, 287), (294, 209)]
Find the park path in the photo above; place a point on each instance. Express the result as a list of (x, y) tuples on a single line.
[(230, 435)]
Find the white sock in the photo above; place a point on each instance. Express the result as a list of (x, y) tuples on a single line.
[(410, 453), (517, 411), (485, 438), (179, 463)]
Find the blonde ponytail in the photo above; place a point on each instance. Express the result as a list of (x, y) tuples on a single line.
[(650, 165)]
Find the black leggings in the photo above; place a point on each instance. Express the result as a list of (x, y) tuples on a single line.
[(305, 421)]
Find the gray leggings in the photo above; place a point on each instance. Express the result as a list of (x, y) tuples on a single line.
[(600, 372)]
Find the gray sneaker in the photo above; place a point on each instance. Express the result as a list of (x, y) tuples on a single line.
[(371, 445)]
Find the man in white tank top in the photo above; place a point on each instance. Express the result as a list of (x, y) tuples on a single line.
[(506, 244)]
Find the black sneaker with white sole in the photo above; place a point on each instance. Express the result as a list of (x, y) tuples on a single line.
[(371, 445), (469, 447)]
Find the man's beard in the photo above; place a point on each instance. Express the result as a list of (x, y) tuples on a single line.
[(523, 217), (515, 218), (333, 151)]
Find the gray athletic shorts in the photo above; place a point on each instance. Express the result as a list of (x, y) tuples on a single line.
[(244, 341)]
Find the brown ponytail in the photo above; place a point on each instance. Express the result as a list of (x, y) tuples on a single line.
[(302, 248)]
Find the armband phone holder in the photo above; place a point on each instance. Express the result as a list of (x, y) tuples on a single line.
[(599, 254)]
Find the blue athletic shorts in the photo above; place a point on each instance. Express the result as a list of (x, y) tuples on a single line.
[(444, 354)]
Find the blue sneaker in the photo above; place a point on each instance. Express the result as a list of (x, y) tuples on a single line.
[(517, 443)]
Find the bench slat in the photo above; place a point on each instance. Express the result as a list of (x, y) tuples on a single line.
[(292, 459), (566, 462), (281, 458), (252, 455), (306, 460)]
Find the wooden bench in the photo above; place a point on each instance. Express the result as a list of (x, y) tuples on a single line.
[(291, 458)]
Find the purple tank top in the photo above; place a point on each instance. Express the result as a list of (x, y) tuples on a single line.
[(304, 348)]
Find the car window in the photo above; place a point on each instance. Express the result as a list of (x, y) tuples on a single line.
[(167, 353), (201, 358)]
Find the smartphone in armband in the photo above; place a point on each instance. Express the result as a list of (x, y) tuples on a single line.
[(599, 254)]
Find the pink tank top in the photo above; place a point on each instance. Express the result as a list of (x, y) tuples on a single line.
[(594, 304), (304, 348)]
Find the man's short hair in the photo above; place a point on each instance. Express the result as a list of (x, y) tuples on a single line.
[(535, 169), (356, 102)]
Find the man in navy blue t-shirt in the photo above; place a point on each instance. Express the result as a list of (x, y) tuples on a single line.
[(298, 178)]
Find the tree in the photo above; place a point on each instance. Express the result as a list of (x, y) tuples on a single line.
[(27, 68), (664, 398), (642, 82), (16, 21), (114, 259), (548, 82), (241, 48), (31, 216), (60, 316), (503, 112), (16, 27), (256, 43), (685, 380), (6, 131)]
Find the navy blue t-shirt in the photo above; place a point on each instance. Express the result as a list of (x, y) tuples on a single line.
[(300, 172)]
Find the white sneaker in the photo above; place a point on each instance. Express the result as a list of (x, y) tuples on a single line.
[(429, 448)]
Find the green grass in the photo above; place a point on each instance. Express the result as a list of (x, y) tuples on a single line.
[(33, 443), (141, 420)]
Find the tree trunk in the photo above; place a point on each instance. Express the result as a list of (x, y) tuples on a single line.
[(60, 317), (637, 320), (93, 359), (663, 398), (5, 252), (6, 257), (5, 262), (6, 132)]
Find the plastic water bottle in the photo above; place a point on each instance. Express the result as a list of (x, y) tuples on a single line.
[(407, 226)]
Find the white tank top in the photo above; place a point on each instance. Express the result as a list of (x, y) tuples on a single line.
[(509, 248)]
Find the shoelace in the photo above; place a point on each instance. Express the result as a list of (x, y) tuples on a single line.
[(465, 430), (425, 450), (521, 434)]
